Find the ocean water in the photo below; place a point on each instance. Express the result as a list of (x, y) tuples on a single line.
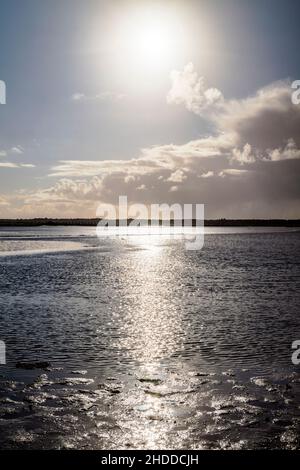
[(148, 345)]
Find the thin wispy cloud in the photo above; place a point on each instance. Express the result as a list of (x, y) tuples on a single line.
[(233, 172), (104, 96), (16, 165), (14, 151), (18, 150), (3, 201)]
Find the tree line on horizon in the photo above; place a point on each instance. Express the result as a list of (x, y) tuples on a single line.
[(38, 222)]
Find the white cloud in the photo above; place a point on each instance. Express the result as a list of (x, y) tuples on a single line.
[(67, 191), (177, 177), (78, 97), (135, 166), (266, 120), (3, 201), (208, 174), (208, 147), (257, 131), (244, 156), (8, 165), (16, 165), (189, 89), (262, 127), (104, 96), (233, 172), (129, 178), (289, 152), (200, 169), (18, 150)]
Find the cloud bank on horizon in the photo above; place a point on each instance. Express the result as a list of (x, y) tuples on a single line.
[(247, 167)]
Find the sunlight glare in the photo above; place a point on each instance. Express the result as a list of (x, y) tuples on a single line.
[(148, 38), (151, 43)]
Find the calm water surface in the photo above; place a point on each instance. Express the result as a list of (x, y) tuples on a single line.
[(149, 345)]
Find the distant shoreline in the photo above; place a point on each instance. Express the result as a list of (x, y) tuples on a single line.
[(38, 222)]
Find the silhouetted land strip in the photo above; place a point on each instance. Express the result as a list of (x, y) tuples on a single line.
[(38, 222)]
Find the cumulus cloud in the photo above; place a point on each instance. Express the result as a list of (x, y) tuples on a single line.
[(243, 156), (248, 167), (190, 89), (208, 174), (266, 120), (264, 126), (129, 178), (177, 177), (289, 152)]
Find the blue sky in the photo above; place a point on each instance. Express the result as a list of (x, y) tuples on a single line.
[(53, 51)]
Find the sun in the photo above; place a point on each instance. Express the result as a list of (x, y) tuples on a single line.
[(147, 38), (151, 42)]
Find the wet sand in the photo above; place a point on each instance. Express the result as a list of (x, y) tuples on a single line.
[(156, 410)]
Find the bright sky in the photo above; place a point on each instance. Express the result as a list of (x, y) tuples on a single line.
[(160, 101)]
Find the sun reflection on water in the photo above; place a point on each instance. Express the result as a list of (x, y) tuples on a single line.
[(152, 321), (153, 331)]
